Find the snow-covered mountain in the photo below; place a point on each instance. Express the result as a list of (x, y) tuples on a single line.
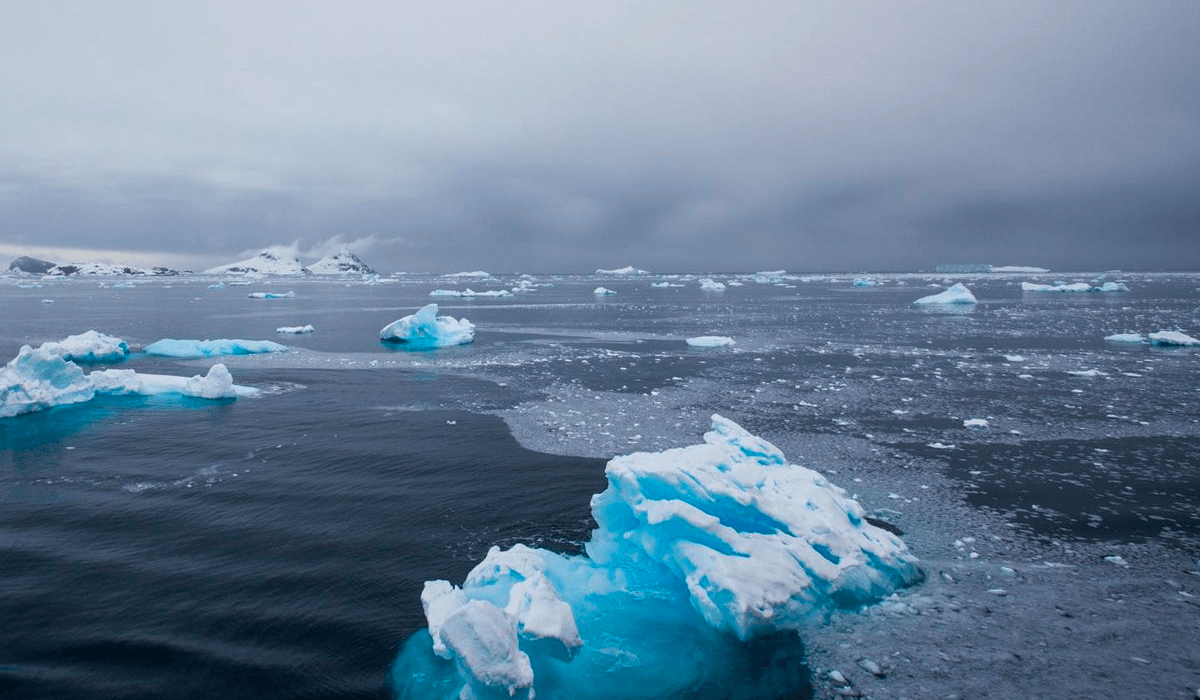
[(30, 265), (107, 269), (269, 262), (341, 263)]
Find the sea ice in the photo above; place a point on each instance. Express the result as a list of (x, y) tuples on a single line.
[(956, 294), (187, 349), (89, 346), (1172, 338), (710, 341), (715, 541), (708, 284), (975, 423), (425, 329)]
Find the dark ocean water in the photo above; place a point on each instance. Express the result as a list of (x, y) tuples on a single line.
[(276, 546)]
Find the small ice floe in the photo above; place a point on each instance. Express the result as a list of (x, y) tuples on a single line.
[(272, 295), (708, 284), (871, 667), (975, 423), (603, 292), (1125, 338), (940, 446), (1089, 373), (1076, 287), (1014, 358), (296, 329), (956, 294), (710, 341), (1168, 338), (1000, 592), (468, 292), (1117, 559)]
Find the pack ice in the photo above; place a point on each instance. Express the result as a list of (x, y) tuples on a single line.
[(697, 549), (425, 329)]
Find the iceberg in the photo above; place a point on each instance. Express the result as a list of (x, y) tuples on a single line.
[(217, 384), (956, 294), (468, 292), (1172, 338), (628, 270), (89, 346), (38, 379), (1075, 287), (29, 265), (708, 284), (710, 341), (864, 282), (425, 329), (188, 349), (1019, 268), (1125, 338), (272, 295), (603, 292), (697, 550), (296, 329)]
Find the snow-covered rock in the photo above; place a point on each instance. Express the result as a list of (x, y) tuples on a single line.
[(32, 266), (956, 294), (272, 261), (342, 262), (107, 269), (425, 329), (172, 347)]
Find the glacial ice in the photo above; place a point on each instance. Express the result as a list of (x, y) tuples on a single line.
[(864, 282), (1125, 338), (1075, 287), (956, 294), (89, 346), (1172, 338), (38, 379), (627, 270), (603, 292), (171, 347), (425, 329), (695, 548), (708, 284), (710, 341)]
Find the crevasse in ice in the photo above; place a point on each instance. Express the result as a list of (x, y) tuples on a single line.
[(425, 329), (695, 549)]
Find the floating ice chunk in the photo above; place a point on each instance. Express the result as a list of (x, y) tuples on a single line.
[(603, 292), (90, 346), (1117, 559), (629, 270), (425, 329), (1125, 338), (474, 274), (37, 379), (1075, 287), (710, 341), (708, 284), (1172, 338), (975, 423), (296, 329), (468, 292), (864, 282), (957, 294), (217, 384), (171, 347), (272, 295), (691, 543), (1111, 287), (940, 446), (1014, 358), (664, 285), (1018, 268), (1089, 373)]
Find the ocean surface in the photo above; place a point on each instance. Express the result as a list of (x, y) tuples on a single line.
[(276, 546)]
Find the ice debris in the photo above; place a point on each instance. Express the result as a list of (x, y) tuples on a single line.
[(425, 329), (957, 294), (190, 349), (709, 542), (710, 341)]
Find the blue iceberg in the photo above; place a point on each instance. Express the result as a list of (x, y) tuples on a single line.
[(425, 329), (699, 552), (89, 346), (38, 379), (956, 294), (170, 347)]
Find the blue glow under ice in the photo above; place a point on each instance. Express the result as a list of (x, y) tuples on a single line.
[(698, 552)]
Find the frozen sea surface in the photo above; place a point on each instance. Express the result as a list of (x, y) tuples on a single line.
[(276, 546)]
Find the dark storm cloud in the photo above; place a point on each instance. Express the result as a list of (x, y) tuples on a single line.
[(553, 136)]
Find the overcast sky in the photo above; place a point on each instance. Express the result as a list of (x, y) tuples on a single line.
[(566, 136)]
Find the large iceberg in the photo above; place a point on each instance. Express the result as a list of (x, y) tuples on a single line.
[(1172, 338), (956, 294), (697, 551), (89, 346), (190, 349), (425, 329)]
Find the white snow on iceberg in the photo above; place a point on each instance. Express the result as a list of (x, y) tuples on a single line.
[(171, 347), (37, 379), (957, 294), (1172, 338), (694, 547), (710, 341), (425, 329), (89, 346), (217, 384)]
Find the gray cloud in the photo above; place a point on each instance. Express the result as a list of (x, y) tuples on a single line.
[(550, 136)]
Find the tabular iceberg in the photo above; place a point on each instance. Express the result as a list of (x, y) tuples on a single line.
[(956, 294), (695, 548), (171, 347), (89, 346), (425, 329)]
